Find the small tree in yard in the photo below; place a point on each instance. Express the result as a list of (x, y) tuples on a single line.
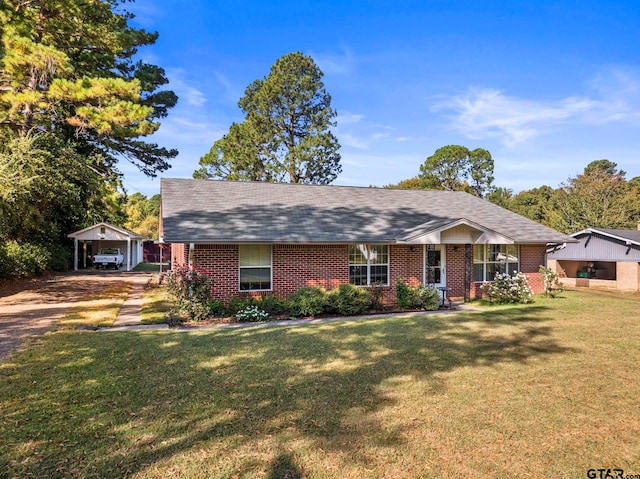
[(192, 290), (552, 284)]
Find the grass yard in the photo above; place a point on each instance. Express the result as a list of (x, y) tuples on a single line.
[(156, 304), (550, 389), (98, 308)]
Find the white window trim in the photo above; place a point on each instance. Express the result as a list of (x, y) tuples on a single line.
[(240, 268), (368, 265), (485, 248)]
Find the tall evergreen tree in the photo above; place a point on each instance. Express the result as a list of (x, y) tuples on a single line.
[(286, 132), (73, 102)]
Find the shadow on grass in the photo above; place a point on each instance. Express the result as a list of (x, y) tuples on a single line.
[(109, 406), (284, 467)]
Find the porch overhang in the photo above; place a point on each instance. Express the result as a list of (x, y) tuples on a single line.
[(461, 231)]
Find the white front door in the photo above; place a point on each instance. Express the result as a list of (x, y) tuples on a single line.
[(434, 265)]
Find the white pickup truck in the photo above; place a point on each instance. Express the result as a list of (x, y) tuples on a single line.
[(108, 257)]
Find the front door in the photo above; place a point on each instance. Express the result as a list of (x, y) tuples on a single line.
[(434, 268)]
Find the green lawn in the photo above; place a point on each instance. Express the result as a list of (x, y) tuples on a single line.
[(550, 389), (156, 304)]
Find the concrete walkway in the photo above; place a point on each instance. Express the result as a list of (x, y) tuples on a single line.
[(130, 315)]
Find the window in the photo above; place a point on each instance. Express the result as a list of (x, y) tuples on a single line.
[(494, 258), (255, 267), (368, 264)]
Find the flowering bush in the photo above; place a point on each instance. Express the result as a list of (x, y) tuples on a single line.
[(552, 284), (251, 314), (509, 289), (192, 290)]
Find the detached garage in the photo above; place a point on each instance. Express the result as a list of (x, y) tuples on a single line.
[(90, 241), (602, 258)]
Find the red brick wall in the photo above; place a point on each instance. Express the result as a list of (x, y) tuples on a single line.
[(179, 253), (299, 266), (404, 262), (221, 261), (455, 270), (531, 258)]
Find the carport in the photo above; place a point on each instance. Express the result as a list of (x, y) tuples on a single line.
[(602, 258), (89, 241)]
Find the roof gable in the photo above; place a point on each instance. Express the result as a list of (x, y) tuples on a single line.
[(457, 232), (629, 237), (111, 232), (213, 211)]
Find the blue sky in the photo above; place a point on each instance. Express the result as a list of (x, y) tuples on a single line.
[(545, 86)]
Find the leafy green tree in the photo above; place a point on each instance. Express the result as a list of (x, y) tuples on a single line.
[(286, 135), (416, 183), (143, 214), (55, 194), (608, 167), (501, 196), (534, 204), (73, 101), (455, 167), (596, 198)]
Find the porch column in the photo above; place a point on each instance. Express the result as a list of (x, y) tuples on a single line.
[(468, 271), (128, 253), (75, 254)]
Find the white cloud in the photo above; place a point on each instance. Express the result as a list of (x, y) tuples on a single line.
[(185, 91), (488, 113), (614, 96), (187, 130), (347, 118), (342, 63)]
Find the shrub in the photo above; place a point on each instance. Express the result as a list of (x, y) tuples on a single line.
[(251, 314), (215, 307), (420, 297), (552, 284), (22, 260), (307, 302), (509, 289), (376, 292), (426, 297), (60, 257), (238, 303), (348, 300), (192, 290), (272, 304)]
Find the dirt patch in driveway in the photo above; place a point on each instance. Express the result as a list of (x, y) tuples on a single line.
[(32, 307)]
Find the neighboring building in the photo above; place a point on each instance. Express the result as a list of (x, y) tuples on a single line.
[(154, 252), (270, 238), (89, 241), (602, 258)]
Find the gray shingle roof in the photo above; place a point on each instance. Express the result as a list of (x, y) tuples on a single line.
[(210, 211)]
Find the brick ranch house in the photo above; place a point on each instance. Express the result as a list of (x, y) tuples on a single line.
[(266, 238)]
